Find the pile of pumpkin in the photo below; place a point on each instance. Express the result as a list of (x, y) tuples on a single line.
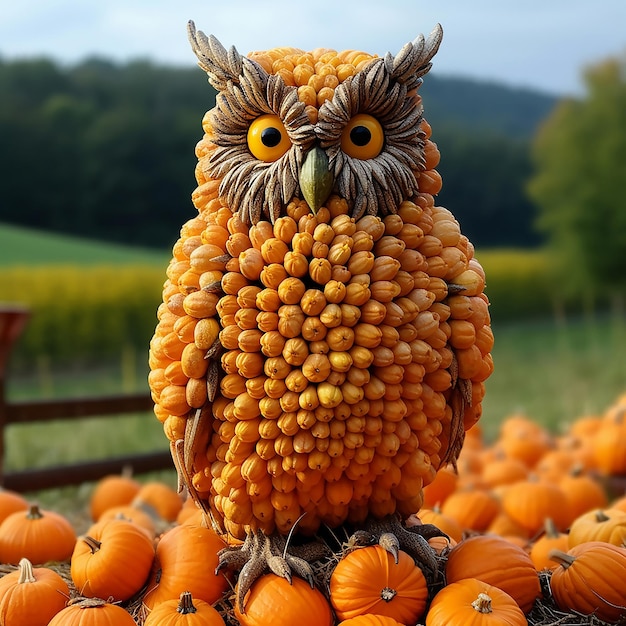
[(536, 527)]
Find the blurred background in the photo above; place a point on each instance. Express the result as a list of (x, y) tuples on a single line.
[(100, 110)]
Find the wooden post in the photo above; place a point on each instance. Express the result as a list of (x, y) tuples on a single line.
[(13, 318)]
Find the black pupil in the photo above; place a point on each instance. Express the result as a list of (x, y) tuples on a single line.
[(360, 135), (271, 137)]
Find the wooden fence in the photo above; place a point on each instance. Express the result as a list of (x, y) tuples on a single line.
[(12, 322)]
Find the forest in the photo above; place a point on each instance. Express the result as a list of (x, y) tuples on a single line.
[(106, 151)]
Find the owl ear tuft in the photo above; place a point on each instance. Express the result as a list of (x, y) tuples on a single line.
[(221, 65), (414, 60)]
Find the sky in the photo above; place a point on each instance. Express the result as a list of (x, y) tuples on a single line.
[(538, 44)]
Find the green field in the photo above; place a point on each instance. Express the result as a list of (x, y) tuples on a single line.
[(21, 246)]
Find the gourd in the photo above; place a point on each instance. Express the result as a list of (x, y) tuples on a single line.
[(368, 580), (31, 595), (589, 579), (112, 560), (186, 611), (471, 602), (38, 535), (498, 562), (274, 600)]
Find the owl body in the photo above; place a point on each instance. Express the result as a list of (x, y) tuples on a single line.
[(324, 336)]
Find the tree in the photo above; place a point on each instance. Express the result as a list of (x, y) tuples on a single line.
[(579, 184)]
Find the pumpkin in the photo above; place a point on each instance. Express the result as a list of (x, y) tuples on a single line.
[(110, 491), (473, 510), (31, 595), (599, 525), (273, 599), (540, 550), (11, 502), (502, 524), (589, 579), (367, 580), (503, 471), (112, 560), (37, 535), (609, 442), (186, 611), (443, 485), (92, 612), (130, 513), (443, 522), (160, 498), (498, 562), (186, 558), (471, 602), (369, 619), (531, 502), (583, 493)]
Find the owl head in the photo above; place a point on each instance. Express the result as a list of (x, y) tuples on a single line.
[(292, 124)]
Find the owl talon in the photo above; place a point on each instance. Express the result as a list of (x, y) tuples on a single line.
[(394, 536)]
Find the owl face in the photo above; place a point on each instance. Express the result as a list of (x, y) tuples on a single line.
[(289, 124)]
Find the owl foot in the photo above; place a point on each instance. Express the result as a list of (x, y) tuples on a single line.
[(261, 553), (392, 535)]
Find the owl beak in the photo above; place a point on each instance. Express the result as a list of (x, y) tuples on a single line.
[(316, 179)]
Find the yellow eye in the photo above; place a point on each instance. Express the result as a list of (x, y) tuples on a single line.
[(267, 138), (363, 137)]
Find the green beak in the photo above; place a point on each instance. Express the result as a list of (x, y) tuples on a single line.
[(316, 180)]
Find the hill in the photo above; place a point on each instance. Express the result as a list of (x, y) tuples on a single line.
[(23, 246), (473, 105)]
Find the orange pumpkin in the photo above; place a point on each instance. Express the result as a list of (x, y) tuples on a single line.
[(473, 510), (186, 611), (186, 558), (11, 502), (369, 619), (37, 535), (112, 560), (159, 498), (590, 578), (92, 612), (444, 484), (540, 550), (498, 562), (110, 491), (274, 599), (531, 502), (599, 525), (130, 513), (443, 522), (609, 442), (583, 493), (367, 580), (472, 602), (31, 595)]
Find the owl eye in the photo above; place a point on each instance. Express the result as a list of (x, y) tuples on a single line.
[(267, 138), (363, 137)]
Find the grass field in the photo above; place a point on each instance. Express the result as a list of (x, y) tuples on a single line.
[(22, 246)]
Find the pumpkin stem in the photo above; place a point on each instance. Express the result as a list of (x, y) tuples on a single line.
[(26, 572), (93, 544), (601, 516), (482, 604), (562, 558), (388, 594), (34, 512), (186, 606), (550, 529)]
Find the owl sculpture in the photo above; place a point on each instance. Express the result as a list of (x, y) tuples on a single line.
[(324, 335)]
